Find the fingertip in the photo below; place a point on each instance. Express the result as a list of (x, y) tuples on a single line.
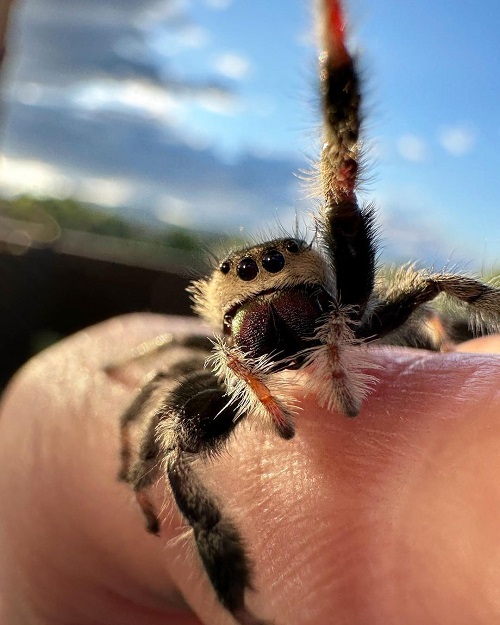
[(481, 345)]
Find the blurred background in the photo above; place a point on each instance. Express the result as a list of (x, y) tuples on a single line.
[(136, 134)]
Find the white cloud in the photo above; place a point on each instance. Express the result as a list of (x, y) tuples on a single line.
[(167, 42), (218, 102), (40, 179), (135, 96), (232, 65), (29, 93), (32, 176), (139, 97), (175, 210), (158, 12), (457, 140), (412, 148), (194, 36), (108, 190)]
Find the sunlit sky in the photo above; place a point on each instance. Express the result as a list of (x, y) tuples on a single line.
[(198, 112)]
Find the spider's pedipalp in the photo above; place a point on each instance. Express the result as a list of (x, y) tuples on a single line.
[(254, 389)]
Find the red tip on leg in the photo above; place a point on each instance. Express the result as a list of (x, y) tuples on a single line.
[(337, 21), (335, 36)]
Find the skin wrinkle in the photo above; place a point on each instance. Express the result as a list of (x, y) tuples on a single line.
[(307, 545), (282, 510), (356, 532), (472, 385)]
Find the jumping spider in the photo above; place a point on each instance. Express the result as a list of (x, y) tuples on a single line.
[(284, 304)]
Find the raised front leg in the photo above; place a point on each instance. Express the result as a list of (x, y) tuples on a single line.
[(346, 229)]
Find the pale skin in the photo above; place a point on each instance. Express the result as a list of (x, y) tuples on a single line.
[(392, 517)]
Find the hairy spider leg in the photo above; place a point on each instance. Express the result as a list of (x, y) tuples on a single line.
[(346, 229), (185, 414), (195, 422), (133, 412), (426, 328), (145, 470), (218, 541), (340, 379), (412, 289), (142, 412), (156, 345)]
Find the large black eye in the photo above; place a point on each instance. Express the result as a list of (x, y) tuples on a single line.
[(225, 266), (292, 246), (273, 261), (247, 269)]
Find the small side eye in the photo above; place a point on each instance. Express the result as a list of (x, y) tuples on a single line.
[(292, 246), (225, 266), (247, 269), (273, 261)]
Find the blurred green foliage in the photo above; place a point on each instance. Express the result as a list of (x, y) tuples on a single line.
[(69, 214)]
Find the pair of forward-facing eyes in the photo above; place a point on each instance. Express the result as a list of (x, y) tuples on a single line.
[(272, 259)]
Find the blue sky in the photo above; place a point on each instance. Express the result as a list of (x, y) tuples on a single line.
[(199, 111)]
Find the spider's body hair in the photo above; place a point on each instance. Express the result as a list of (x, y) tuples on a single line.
[(254, 388), (406, 293), (219, 294), (340, 375), (340, 88)]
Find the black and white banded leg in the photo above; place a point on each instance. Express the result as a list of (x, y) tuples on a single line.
[(187, 421)]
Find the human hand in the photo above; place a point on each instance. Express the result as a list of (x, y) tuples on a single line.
[(391, 517)]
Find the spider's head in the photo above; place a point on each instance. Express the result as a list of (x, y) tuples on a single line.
[(266, 299)]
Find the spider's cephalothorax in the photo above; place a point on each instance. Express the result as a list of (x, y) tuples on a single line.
[(284, 304), (267, 300)]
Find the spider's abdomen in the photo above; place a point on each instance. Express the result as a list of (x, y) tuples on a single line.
[(279, 323)]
